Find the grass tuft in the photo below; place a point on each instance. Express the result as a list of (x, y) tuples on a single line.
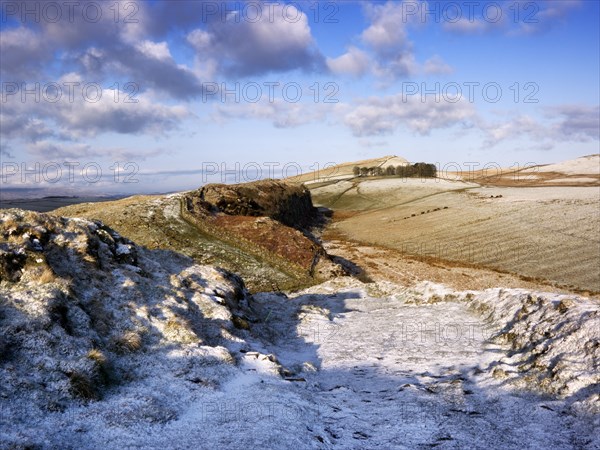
[(128, 342)]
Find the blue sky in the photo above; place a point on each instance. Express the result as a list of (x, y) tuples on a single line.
[(347, 80)]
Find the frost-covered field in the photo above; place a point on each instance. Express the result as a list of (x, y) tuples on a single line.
[(584, 165), (549, 233)]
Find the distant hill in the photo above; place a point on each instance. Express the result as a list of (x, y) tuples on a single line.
[(344, 170), (582, 171), (50, 203)]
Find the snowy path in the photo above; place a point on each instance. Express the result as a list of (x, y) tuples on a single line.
[(393, 375), (367, 370)]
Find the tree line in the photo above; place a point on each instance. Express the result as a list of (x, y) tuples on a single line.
[(416, 170)]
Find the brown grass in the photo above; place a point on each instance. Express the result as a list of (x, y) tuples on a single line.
[(47, 276), (128, 342), (82, 386), (9, 225), (179, 332), (524, 177), (97, 356)]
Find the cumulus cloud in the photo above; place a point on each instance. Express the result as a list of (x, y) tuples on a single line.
[(78, 48), (151, 66), (516, 127), (32, 44), (575, 122), (388, 52), (354, 62), (23, 50), (22, 126), (5, 152), (154, 50), (50, 151), (106, 115), (136, 48), (64, 120), (436, 66), (565, 123), (280, 113), (101, 48), (383, 115), (388, 38), (272, 43), (58, 151)]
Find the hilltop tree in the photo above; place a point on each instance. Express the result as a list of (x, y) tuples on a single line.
[(424, 170), (420, 169)]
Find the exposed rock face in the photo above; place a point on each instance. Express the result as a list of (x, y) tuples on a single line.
[(287, 203), (82, 309), (268, 218)]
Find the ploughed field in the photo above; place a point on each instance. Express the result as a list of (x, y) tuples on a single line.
[(546, 233)]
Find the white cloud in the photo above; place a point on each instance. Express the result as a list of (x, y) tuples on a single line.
[(108, 47), (387, 31), (156, 50), (516, 18), (514, 128), (106, 115), (436, 66), (280, 113), (383, 115), (354, 62), (272, 43), (538, 19), (388, 38), (200, 39), (34, 121), (57, 151), (466, 26), (22, 49), (576, 122), (565, 123), (391, 53)]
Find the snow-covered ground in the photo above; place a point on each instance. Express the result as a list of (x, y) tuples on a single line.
[(340, 365), (326, 179), (394, 161), (369, 367), (584, 165)]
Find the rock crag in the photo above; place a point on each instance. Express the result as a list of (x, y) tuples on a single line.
[(268, 218), (287, 203)]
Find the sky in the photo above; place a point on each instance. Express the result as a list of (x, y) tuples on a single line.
[(108, 97)]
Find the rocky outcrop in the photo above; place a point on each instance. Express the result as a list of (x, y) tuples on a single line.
[(83, 309), (263, 255), (287, 203), (267, 218)]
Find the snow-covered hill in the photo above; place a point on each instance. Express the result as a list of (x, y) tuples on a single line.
[(585, 165)]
